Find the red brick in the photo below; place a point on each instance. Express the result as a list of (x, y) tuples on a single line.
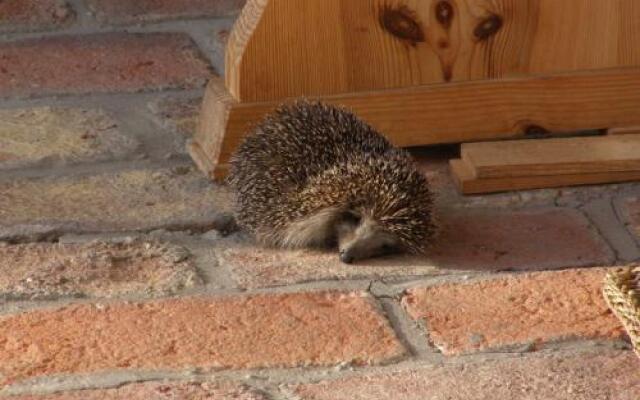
[(100, 63), (288, 330), (158, 391), (602, 375), (33, 15), (127, 11), (434, 163), (488, 239), (531, 309)]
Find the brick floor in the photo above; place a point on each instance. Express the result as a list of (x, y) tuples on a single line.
[(100, 63), (141, 199), (601, 375), (630, 208), (36, 136), (97, 100), (178, 114), (254, 266), (158, 391), (490, 239), (472, 240), (34, 15), (125, 11), (523, 310), (43, 270), (310, 329)]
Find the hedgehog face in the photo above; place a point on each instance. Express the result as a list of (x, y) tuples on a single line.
[(363, 237)]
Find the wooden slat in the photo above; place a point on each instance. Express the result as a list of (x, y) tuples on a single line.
[(631, 130), (288, 48), (577, 155), (468, 184), (448, 113), (213, 130)]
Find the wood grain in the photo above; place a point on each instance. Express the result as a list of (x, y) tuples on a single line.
[(288, 48), (468, 184), (577, 155), (213, 130), (630, 130), (450, 113)]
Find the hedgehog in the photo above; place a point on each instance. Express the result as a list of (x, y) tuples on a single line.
[(314, 175)]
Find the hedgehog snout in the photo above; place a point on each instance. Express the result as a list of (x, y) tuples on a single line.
[(346, 257), (363, 240)]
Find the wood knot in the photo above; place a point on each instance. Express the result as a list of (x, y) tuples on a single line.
[(444, 13), (488, 27), (535, 131), (447, 73), (443, 44), (402, 23)]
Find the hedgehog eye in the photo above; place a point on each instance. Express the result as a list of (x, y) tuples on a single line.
[(351, 217), (387, 248)]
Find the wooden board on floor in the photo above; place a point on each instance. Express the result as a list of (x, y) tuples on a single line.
[(446, 113), (468, 184), (561, 156), (631, 130), (288, 48)]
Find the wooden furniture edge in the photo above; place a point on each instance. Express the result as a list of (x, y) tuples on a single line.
[(448, 113)]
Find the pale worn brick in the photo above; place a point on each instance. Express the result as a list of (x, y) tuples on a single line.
[(140, 199), (36, 136), (237, 332), (490, 239), (254, 266), (34, 15), (179, 115), (100, 63), (602, 375), (522, 310), (127, 11), (630, 208), (158, 391), (220, 40), (471, 240), (45, 270)]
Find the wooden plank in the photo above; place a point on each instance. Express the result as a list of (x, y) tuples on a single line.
[(467, 183), (449, 113), (289, 48), (632, 130), (213, 130), (577, 155)]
